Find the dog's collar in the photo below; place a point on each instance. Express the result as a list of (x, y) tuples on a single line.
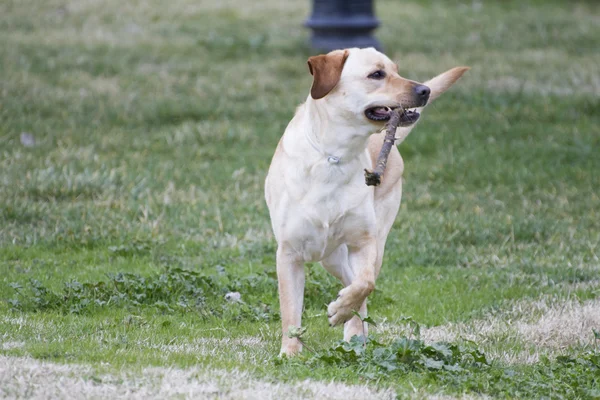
[(331, 159)]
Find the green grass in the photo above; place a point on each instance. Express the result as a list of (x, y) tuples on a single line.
[(154, 125)]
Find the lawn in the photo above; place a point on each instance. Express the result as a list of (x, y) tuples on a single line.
[(134, 142)]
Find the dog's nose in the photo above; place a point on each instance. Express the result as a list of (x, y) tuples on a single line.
[(422, 91)]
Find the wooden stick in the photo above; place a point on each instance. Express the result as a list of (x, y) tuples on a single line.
[(373, 178)]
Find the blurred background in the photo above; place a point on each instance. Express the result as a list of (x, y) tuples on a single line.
[(148, 127)]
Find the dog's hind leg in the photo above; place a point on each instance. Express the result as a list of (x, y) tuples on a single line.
[(361, 263), (290, 276), (338, 265), (355, 327)]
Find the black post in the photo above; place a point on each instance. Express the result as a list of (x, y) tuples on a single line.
[(339, 24)]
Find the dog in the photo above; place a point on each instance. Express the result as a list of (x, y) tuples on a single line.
[(321, 210)]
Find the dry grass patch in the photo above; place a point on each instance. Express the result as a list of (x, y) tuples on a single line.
[(34, 379), (545, 327), (521, 332)]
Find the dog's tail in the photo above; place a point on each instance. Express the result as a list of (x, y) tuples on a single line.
[(442, 82), (438, 85)]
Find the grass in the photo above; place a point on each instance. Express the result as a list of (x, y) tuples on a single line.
[(153, 128)]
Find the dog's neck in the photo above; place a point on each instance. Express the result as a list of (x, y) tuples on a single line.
[(336, 135)]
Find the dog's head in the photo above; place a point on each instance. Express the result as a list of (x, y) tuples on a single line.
[(364, 84)]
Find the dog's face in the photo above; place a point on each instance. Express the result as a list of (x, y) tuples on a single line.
[(364, 84)]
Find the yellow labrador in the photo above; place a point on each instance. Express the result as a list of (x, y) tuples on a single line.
[(320, 207)]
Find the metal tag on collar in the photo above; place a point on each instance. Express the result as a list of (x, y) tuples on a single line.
[(333, 160)]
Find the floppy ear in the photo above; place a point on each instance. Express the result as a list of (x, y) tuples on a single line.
[(326, 70), (442, 82)]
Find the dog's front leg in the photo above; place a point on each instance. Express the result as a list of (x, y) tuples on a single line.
[(290, 275), (353, 297)]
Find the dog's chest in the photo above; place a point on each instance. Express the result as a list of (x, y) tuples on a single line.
[(329, 213)]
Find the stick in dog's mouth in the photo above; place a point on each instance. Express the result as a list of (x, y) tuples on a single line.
[(382, 113), (396, 116)]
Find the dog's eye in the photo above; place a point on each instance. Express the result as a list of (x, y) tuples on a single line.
[(377, 75)]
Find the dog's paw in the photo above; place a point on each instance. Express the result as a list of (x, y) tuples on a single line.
[(342, 309), (290, 348)]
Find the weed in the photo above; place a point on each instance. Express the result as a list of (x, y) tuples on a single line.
[(402, 354), (459, 366), (297, 332), (174, 290)]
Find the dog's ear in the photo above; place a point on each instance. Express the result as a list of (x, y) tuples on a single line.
[(442, 82), (326, 70)]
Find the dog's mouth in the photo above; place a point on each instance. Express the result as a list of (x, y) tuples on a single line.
[(382, 114)]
